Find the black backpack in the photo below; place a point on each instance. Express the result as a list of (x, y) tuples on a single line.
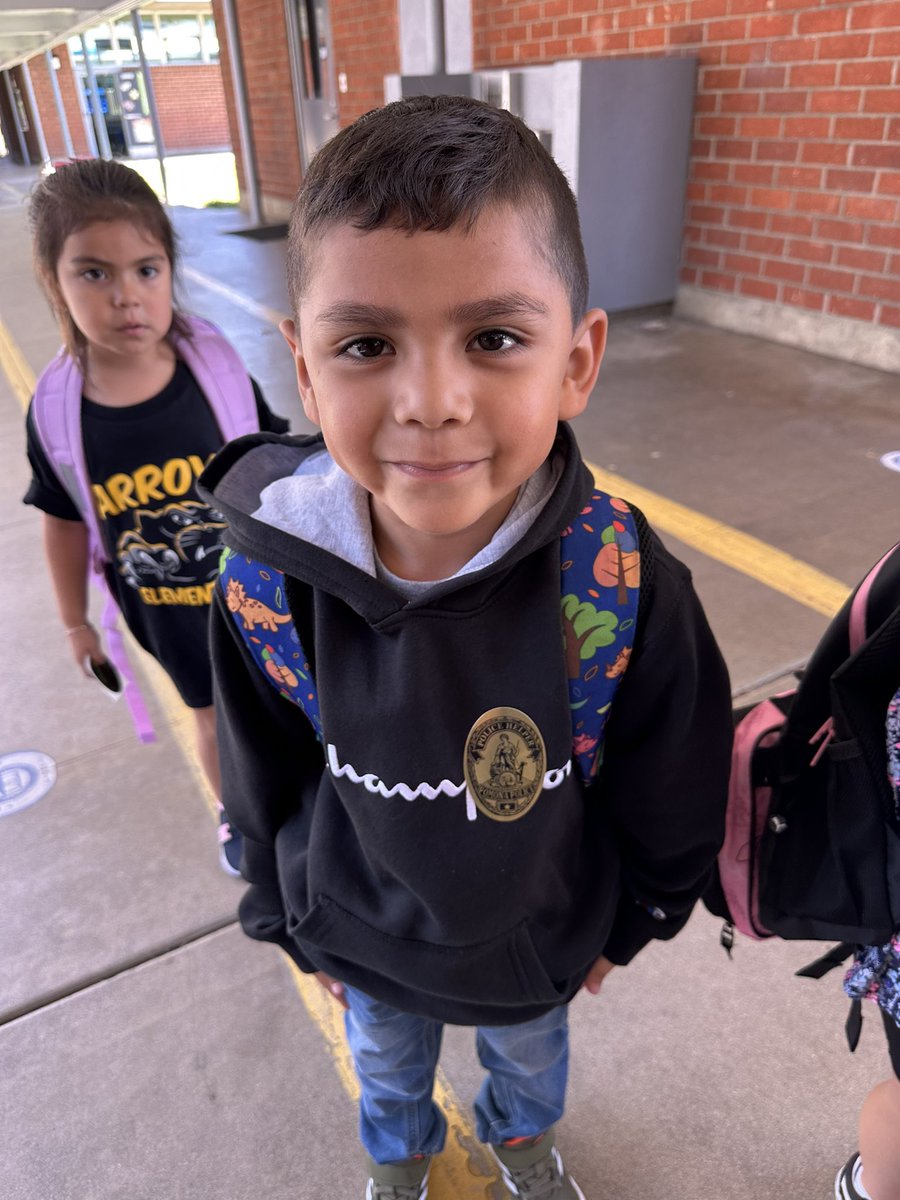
[(812, 846)]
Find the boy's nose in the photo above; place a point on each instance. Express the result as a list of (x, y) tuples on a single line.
[(432, 394)]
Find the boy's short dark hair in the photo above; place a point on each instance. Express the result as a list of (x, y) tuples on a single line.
[(429, 163)]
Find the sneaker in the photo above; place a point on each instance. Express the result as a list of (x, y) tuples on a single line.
[(533, 1169), (407, 1180), (230, 846), (848, 1185)]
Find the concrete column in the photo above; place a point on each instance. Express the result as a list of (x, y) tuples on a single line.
[(103, 146), (458, 37), (248, 150), (151, 100), (421, 25), (60, 108), (36, 121), (17, 121)]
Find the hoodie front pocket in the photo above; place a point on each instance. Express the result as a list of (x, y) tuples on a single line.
[(504, 969)]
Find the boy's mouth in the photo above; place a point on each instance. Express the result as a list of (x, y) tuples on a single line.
[(431, 470)]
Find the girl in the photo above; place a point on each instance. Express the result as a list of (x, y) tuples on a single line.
[(873, 1173), (121, 425)]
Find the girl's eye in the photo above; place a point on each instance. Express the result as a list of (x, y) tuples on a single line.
[(92, 273), (149, 272), (368, 347), (494, 340)]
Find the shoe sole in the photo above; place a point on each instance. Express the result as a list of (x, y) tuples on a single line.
[(227, 867)]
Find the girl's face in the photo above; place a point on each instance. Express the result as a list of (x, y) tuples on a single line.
[(115, 279)]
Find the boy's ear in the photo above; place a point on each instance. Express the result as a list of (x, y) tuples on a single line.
[(588, 345), (304, 384)]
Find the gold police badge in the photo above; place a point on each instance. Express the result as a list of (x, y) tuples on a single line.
[(504, 763)]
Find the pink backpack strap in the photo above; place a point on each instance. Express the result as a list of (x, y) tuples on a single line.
[(57, 418), (858, 630), (222, 377)]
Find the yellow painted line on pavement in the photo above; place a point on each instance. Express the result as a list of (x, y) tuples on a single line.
[(779, 571), (465, 1170), (15, 368)]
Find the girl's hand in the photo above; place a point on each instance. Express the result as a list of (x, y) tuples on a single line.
[(84, 642), (334, 987), (595, 976)]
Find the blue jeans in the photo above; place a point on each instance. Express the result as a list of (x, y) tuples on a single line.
[(396, 1056)]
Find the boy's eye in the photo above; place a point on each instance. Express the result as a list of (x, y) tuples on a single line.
[(368, 347), (494, 340)]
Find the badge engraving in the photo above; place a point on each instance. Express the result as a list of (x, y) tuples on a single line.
[(504, 763)]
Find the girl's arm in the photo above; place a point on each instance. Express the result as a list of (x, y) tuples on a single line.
[(66, 547)]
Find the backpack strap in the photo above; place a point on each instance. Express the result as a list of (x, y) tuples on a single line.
[(600, 574), (255, 597), (859, 605), (57, 418), (222, 377)]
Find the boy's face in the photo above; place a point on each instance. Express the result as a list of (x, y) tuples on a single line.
[(437, 366)]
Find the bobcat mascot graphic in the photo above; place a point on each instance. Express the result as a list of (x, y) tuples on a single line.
[(175, 545)]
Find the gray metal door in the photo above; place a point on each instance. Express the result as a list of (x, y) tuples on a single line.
[(312, 74)]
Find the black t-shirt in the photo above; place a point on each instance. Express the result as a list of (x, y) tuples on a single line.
[(163, 542)]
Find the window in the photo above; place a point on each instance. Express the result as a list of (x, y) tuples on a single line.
[(209, 40), (181, 38)]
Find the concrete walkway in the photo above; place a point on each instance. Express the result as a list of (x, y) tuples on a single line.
[(148, 1050)]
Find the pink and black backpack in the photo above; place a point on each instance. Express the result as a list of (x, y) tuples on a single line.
[(812, 842), (224, 381)]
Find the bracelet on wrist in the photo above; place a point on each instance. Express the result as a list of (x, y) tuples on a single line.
[(78, 628)]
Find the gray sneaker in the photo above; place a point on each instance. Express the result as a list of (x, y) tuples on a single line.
[(399, 1180), (534, 1170)]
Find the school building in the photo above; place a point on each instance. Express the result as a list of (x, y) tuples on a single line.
[(738, 157)]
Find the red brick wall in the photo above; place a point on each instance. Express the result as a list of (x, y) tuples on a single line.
[(794, 190), (366, 48), (191, 104), (43, 92), (270, 98), (190, 100)]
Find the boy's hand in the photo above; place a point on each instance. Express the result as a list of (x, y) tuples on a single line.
[(334, 987), (595, 976)]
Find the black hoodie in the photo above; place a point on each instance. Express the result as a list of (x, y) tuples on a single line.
[(396, 890)]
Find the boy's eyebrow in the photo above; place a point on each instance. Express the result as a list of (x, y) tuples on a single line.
[(494, 308), (348, 313), (472, 312)]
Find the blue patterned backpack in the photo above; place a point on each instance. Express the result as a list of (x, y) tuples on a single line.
[(600, 570)]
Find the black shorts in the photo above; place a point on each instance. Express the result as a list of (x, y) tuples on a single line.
[(892, 1029)]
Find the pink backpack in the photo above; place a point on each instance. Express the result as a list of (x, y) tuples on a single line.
[(224, 381), (812, 839)]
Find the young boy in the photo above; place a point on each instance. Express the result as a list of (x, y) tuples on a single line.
[(441, 343)]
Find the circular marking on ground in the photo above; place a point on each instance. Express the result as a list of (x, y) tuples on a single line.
[(891, 460), (26, 776)]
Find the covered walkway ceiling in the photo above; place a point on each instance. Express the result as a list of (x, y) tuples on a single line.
[(28, 27)]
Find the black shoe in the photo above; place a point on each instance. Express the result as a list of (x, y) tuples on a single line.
[(848, 1185), (230, 846)]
